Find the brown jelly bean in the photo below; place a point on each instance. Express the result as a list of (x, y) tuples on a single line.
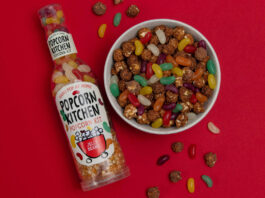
[(163, 159)]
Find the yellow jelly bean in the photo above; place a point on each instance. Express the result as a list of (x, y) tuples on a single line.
[(139, 47), (177, 71), (158, 71), (73, 64), (157, 123), (59, 13), (89, 128), (146, 90), (89, 79), (211, 81), (101, 30), (52, 20), (191, 185), (61, 79), (182, 44), (73, 141)]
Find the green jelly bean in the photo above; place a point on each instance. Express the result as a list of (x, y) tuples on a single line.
[(207, 180), (117, 19), (167, 80), (211, 67), (106, 126), (166, 66), (177, 108), (140, 80), (43, 21), (114, 89)]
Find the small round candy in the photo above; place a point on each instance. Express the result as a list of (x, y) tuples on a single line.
[(161, 36), (146, 38), (114, 79), (159, 103), (192, 151), (166, 118), (170, 59), (149, 71)]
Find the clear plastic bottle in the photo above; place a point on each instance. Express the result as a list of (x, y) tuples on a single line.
[(97, 154)]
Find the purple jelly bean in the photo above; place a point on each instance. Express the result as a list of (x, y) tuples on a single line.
[(172, 88), (161, 59), (202, 43), (162, 159), (140, 110), (197, 90), (143, 66), (174, 116), (189, 86), (169, 106)]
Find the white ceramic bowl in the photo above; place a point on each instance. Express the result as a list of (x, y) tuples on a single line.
[(131, 33)]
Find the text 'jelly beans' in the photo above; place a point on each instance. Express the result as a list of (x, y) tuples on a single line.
[(191, 185), (167, 80), (158, 71), (141, 80), (183, 43), (177, 71), (117, 19), (207, 180), (101, 30), (146, 38), (139, 47), (133, 99), (211, 67), (157, 123), (192, 151), (114, 89), (178, 108), (162, 159), (166, 66), (214, 129), (211, 81), (146, 90)]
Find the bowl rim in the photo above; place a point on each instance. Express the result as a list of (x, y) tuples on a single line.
[(176, 130)]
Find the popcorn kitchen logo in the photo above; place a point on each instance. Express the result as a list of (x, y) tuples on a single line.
[(59, 43)]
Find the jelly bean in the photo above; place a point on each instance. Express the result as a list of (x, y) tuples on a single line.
[(114, 79), (124, 95), (79, 155), (84, 68), (178, 108), (169, 106), (146, 38), (161, 36), (193, 99), (143, 67), (161, 59), (191, 116), (56, 74), (202, 43), (149, 70), (177, 71), (201, 98), (191, 185), (89, 79), (189, 86), (211, 67), (158, 71), (140, 80), (117, 19), (174, 116), (166, 118), (214, 129), (59, 13), (73, 141), (43, 21), (152, 80), (166, 66), (114, 89), (183, 61), (106, 127), (140, 110), (170, 59), (67, 67), (182, 44), (190, 49), (101, 30), (167, 80), (171, 88), (69, 74), (61, 79), (78, 74), (73, 64), (139, 47), (51, 20), (143, 100), (192, 151), (146, 90), (154, 49), (162, 159), (197, 74), (207, 180), (211, 81), (133, 99), (159, 103), (196, 90)]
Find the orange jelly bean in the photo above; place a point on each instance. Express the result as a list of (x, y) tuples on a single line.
[(124, 95), (183, 61), (201, 98), (159, 103), (170, 59), (197, 74)]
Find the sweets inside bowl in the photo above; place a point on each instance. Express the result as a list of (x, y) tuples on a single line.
[(163, 77)]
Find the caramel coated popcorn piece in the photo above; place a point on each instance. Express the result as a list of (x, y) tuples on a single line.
[(175, 176), (198, 108), (122, 85), (171, 97), (119, 66), (117, 55), (199, 82), (178, 82), (132, 11), (158, 88), (130, 111), (153, 192), (133, 87), (210, 159), (153, 115), (154, 40), (143, 119), (179, 33), (127, 48), (206, 90), (126, 75), (116, 2), (186, 107), (185, 94), (177, 147), (200, 53), (181, 120), (142, 32), (187, 75), (99, 8), (146, 55)]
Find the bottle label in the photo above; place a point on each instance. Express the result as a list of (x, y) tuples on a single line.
[(61, 44), (85, 121)]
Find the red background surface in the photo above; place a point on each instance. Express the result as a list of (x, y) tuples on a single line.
[(35, 160)]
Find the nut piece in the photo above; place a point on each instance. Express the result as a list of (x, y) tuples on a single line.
[(185, 94), (198, 108), (130, 111), (132, 11), (133, 87), (116, 2), (181, 120), (153, 115), (142, 119), (153, 192), (119, 66), (210, 159), (177, 147), (127, 48), (117, 55), (126, 75), (171, 97), (200, 53), (175, 176), (99, 8)]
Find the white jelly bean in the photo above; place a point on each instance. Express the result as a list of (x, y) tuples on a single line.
[(154, 49), (84, 68), (56, 74), (69, 74), (191, 117), (58, 87), (214, 129), (161, 36), (153, 80), (114, 79), (143, 100), (67, 67)]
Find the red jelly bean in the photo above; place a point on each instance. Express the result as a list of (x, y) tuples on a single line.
[(149, 70), (78, 74), (79, 155), (146, 38), (166, 118), (192, 151), (193, 99), (134, 100), (190, 49)]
